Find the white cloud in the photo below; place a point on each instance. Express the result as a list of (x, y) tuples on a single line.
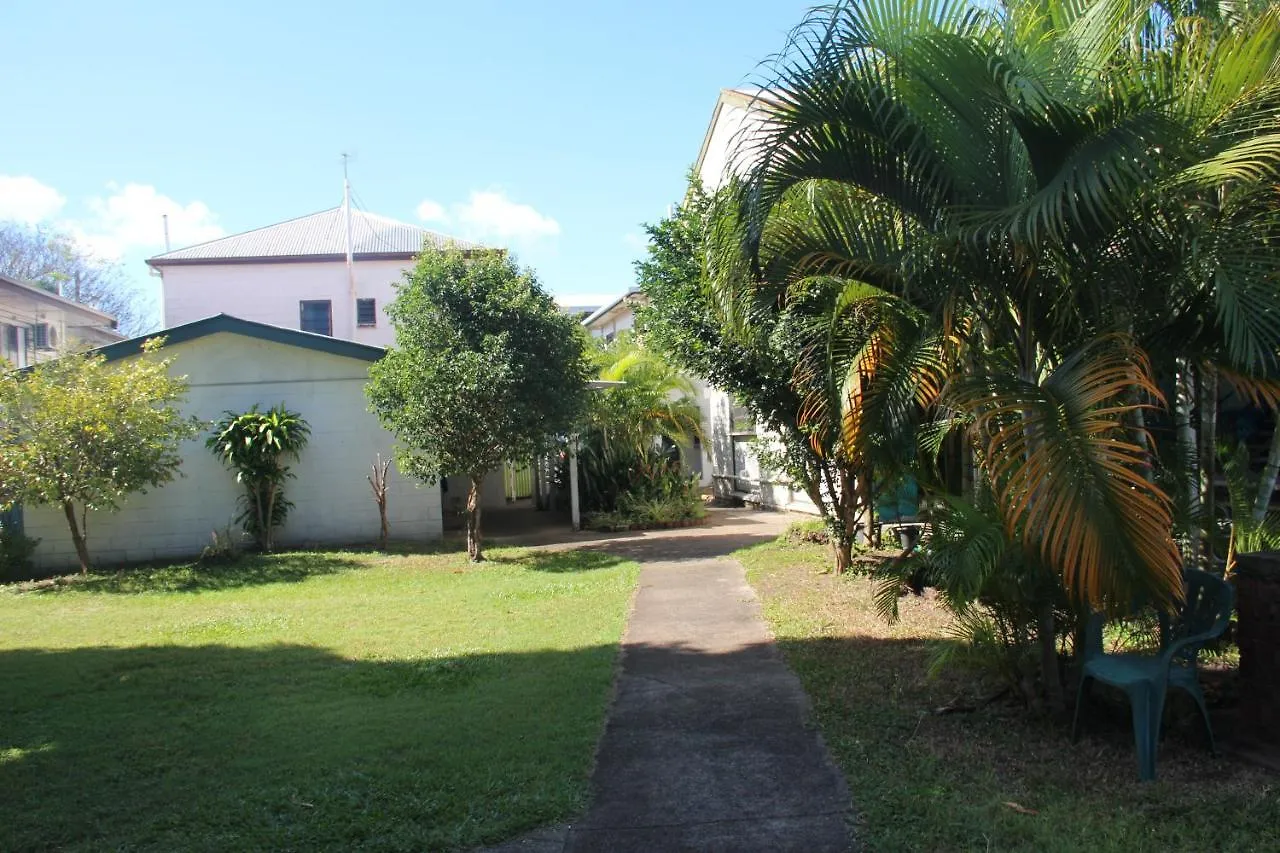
[(26, 200), (490, 215), (432, 211), (131, 218), (636, 241)]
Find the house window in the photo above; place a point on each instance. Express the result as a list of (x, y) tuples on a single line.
[(316, 316), (40, 337), (11, 347), (366, 312)]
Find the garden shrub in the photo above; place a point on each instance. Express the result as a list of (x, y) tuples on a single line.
[(16, 551)]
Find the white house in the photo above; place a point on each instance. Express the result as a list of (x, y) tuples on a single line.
[(727, 462), (35, 324), (296, 274), (231, 364)]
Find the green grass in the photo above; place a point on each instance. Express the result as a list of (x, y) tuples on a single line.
[(993, 778), (306, 701)]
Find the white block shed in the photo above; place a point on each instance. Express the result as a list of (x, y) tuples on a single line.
[(231, 364)]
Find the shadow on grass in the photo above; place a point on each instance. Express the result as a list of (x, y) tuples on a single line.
[(558, 562), (195, 576), (293, 747), (217, 747)]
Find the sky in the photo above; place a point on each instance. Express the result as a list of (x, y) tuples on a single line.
[(554, 129)]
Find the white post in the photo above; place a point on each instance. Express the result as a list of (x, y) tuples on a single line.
[(574, 512)]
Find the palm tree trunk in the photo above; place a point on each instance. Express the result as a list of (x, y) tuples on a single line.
[(1208, 457), (1046, 624), (77, 538), (1267, 483), (1183, 401), (474, 549)]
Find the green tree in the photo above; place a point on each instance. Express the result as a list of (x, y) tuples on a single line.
[(772, 353), (82, 434), (1024, 176), (485, 368), (256, 445)]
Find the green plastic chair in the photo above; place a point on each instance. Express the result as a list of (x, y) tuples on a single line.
[(1147, 678)]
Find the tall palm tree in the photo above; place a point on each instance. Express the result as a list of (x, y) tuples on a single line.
[(1027, 175)]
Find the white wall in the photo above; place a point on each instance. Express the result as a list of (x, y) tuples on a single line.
[(724, 155), (333, 502), (270, 293)]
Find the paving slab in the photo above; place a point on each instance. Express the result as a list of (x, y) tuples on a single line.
[(708, 744)]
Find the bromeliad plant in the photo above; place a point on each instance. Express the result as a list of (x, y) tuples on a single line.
[(256, 445)]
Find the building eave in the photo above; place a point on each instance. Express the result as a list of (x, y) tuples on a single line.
[(38, 292), (247, 328)]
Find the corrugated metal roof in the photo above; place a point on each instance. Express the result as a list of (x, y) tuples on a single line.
[(322, 233)]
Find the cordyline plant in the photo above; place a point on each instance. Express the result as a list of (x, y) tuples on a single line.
[(255, 445), (82, 434)]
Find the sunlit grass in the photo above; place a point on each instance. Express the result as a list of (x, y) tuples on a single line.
[(306, 701)]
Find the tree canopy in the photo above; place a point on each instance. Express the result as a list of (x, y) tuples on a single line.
[(486, 368), (82, 434)]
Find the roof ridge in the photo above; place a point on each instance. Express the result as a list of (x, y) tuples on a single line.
[(248, 231)]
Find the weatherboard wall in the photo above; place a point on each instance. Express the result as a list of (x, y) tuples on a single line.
[(271, 293), (333, 502)]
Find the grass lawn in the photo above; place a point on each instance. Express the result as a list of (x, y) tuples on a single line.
[(306, 701), (992, 779)]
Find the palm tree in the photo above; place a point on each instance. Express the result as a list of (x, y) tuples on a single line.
[(1027, 177)]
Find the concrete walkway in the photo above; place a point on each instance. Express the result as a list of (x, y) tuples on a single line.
[(707, 746)]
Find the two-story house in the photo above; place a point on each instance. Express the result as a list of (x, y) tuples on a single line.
[(330, 272), (35, 324), (727, 461)]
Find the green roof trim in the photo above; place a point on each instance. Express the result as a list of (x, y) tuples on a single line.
[(249, 329)]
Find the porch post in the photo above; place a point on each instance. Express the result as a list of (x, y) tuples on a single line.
[(574, 511)]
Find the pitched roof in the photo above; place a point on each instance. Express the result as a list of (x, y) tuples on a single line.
[(247, 328), (317, 236), (38, 292)]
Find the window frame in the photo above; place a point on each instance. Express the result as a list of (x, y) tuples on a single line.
[(373, 308), (302, 315)]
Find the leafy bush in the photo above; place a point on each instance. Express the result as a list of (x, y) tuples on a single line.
[(15, 555), (812, 530), (255, 445), (987, 582)]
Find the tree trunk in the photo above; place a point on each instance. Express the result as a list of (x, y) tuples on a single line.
[(1209, 457), (269, 526), (1267, 483), (474, 550), (1183, 401), (77, 538)]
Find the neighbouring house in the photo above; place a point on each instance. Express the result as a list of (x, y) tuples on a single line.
[(231, 364), (296, 274), (728, 462), (35, 324)]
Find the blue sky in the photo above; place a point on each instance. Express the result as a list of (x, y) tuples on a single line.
[(554, 128)]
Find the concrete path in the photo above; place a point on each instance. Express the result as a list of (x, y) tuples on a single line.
[(707, 745)]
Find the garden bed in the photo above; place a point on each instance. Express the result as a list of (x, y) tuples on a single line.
[(938, 765)]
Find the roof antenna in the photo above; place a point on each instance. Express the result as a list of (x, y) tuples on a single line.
[(165, 218), (346, 215)]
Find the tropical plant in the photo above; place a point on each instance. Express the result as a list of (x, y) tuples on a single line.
[(81, 433), (486, 368), (257, 446), (1031, 178), (629, 467)]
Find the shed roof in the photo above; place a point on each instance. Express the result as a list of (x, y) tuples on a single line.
[(249, 329), (317, 236)]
